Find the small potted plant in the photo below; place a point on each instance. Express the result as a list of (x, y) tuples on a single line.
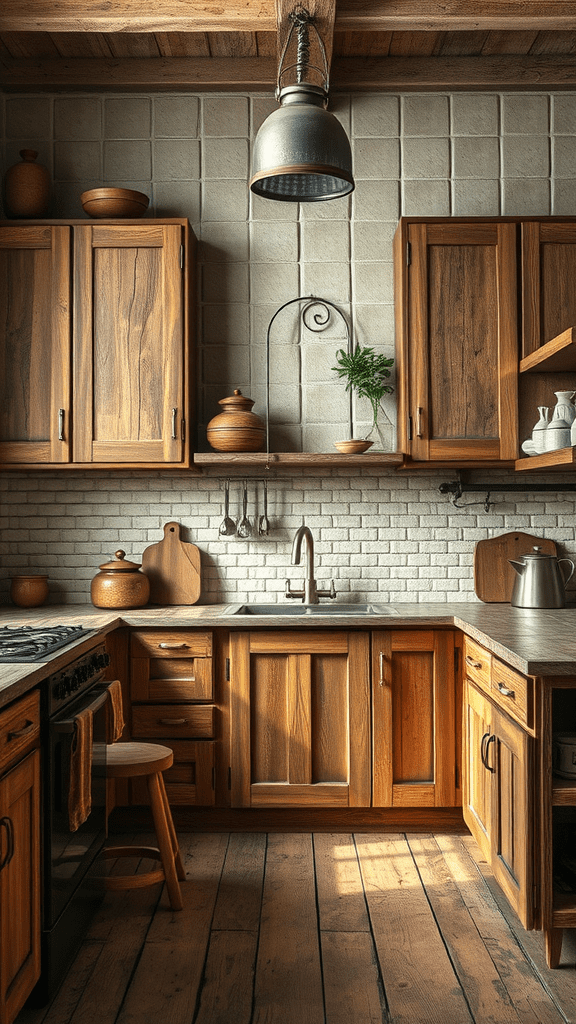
[(365, 372)]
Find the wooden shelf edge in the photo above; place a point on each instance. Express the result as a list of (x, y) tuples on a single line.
[(562, 460), (408, 464), (296, 459), (563, 792), (33, 467), (558, 354)]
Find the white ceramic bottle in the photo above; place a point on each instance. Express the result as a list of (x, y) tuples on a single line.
[(539, 432)]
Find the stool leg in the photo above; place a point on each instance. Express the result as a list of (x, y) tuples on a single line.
[(175, 845), (164, 841), (553, 946)]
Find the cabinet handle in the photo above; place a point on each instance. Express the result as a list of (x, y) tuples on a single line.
[(28, 728), (174, 647), (174, 415), (490, 739), (482, 751), (61, 414), (8, 825), (172, 721), (381, 663), (474, 664), (419, 427), (505, 691)]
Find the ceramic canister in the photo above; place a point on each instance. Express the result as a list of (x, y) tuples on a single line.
[(236, 428), (119, 584)]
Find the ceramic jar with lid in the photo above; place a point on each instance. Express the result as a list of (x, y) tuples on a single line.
[(236, 428), (119, 584)]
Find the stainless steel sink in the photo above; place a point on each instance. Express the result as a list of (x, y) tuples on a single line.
[(314, 609)]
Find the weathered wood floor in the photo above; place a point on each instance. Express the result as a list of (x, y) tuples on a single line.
[(316, 929)]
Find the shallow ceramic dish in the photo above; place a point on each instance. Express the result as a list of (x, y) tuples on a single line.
[(353, 447), (114, 202)]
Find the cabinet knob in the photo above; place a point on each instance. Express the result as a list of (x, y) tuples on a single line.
[(173, 647), (7, 824)]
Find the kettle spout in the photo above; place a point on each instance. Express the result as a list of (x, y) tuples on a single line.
[(519, 567)]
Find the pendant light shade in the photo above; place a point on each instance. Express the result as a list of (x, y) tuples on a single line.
[(301, 152)]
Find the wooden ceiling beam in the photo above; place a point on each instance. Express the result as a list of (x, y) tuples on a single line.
[(258, 74), (252, 15)]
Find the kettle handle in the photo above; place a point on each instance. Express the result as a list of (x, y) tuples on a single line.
[(570, 562)]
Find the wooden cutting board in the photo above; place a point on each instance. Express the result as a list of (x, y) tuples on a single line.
[(173, 568), (493, 576)]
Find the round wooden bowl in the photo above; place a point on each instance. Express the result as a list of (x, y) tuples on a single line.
[(353, 447), (114, 202)]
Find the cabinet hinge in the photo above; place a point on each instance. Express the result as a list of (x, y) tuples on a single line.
[(229, 778), (408, 253), (181, 257), (227, 670)]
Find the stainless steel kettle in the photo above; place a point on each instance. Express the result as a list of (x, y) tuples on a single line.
[(540, 582)]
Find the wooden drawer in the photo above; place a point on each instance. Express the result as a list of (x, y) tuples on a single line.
[(159, 721), (190, 780), (170, 643), (513, 693), (19, 728), (477, 664)]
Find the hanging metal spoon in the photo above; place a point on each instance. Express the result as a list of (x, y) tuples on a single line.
[(245, 526), (263, 523), (228, 525)]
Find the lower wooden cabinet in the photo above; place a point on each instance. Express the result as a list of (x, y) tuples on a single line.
[(413, 718), (300, 719), (498, 804), (19, 855)]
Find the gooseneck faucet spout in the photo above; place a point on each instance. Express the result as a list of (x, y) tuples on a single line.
[(310, 594)]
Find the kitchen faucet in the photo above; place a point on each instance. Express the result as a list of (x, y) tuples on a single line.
[(310, 593)]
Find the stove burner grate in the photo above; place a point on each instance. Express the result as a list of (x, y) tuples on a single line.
[(32, 643)]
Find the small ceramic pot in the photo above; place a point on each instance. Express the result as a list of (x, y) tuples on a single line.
[(120, 585), (27, 187), (236, 428), (28, 591)]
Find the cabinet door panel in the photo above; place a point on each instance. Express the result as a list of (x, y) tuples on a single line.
[(128, 340), (548, 282), (511, 815), (35, 344), (299, 719), (459, 348), (477, 783)]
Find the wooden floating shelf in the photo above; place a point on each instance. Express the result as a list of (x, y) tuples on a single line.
[(563, 792), (290, 459), (557, 355), (562, 460)]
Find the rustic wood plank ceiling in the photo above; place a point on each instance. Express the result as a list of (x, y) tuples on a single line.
[(386, 45)]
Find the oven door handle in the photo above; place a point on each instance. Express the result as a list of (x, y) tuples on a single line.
[(67, 724)]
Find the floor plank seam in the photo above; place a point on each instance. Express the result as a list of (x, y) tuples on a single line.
[(383, 995)]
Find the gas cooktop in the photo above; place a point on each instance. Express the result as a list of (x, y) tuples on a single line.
[(33, 643)]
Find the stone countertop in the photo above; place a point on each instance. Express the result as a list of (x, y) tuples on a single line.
[(534, 641)]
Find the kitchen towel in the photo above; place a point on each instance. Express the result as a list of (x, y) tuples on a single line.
[(80, 791), (114, 712)]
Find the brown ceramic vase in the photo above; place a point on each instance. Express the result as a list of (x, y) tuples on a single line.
[(27, 187), (236, 428)]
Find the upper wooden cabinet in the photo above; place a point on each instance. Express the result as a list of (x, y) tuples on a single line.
[(456, 340), (548, 281), (95, 340)]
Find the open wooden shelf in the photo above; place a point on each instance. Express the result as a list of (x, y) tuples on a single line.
[(291, 459), (563, 792), (562, 460), (556, 356)]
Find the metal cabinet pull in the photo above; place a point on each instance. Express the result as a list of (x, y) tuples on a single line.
[(474, 664), (173, 647), (174, 415), (61, 413), (172, 721), (419, 427), (482, 748), (490, 740), (381, 662), (505, 691), (19, 733), (8, 825)]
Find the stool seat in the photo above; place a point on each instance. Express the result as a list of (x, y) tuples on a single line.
[(130, 760)]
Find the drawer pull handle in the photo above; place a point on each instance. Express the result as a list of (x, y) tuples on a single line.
[(505, 691), (419, 426), (25, 731), (381, 661), (473, 664), (174, 647), (172, 721), (61, 414)]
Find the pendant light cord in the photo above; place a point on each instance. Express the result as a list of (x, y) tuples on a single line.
[(301, 20)]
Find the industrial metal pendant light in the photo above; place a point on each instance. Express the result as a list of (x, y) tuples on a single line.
[(301, 152)]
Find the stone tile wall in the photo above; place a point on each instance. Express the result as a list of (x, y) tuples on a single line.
[(433, 154)]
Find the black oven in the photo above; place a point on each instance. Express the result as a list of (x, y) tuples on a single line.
[(72, 872)]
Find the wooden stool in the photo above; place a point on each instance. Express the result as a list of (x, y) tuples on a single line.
[(126, 761)]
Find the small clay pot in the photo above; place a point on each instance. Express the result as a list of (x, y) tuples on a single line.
[(27, 187), (29, 591), (120, 585), (236, 428)]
